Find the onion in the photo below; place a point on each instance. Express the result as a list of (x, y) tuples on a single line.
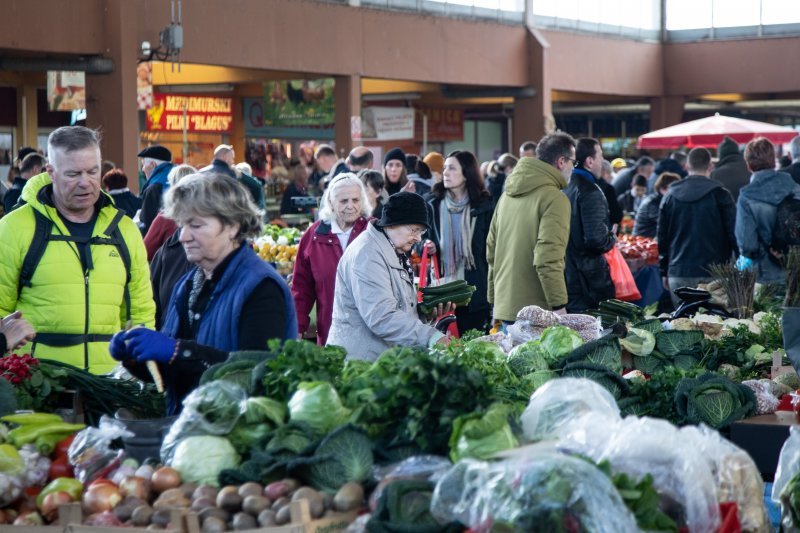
[(104, 519), (165, 478), (144, 472), (51, 502), (101, 497), (121, 473), (136, 487)]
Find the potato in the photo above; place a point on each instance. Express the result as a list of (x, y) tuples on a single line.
[(349, 497), (212, 524), (216, 512), (284, 515), (202, 503), (141, 515), (188, 489), (242, 521), (275, 490), (228, 498), (205, 491), (161, 517), (254, 504), (267, 518), (280, 503), (250, 488), (316, 505)]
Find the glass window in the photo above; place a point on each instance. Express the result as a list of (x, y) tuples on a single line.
[(688, 14), (644, 14)]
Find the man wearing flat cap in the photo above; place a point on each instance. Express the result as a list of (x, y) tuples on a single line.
[(156, 165), (375, 302)]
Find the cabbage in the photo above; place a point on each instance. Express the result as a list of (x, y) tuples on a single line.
[(481, 436), (639, 342), (260, 410), (201, 459), (317, 404), (558, 341), (713, 400), (344, 456), (527, 358), (490, 350)]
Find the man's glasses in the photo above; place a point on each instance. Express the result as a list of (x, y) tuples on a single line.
[(574, 161)]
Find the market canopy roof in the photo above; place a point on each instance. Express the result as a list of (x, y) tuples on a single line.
[(709, 132)]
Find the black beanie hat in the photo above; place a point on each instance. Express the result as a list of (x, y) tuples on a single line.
[(394, 154), (404, 208), (727, 147)]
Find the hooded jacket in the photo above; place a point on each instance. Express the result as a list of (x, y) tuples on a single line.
[(755, 217), (152, 195), (695, 227), (528, 241), (62, 297), (588, 276), (731, 171)]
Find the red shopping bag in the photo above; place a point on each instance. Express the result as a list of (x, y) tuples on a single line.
[(621, 275), (431, 263)]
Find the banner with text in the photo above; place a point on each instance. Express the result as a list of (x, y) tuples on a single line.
[(387, 123), (444, 124), (203, 114)]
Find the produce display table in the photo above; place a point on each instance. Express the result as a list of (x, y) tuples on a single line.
[(762, 437)]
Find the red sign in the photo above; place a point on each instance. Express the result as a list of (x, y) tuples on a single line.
[(444, 124), (198, 114)]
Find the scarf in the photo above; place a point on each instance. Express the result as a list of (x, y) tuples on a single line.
[(455, 239), (402, 257)]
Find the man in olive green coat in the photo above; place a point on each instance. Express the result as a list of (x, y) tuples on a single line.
[(529, 232)]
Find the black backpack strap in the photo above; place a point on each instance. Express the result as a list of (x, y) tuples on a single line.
[(115, 238), (41, 234)]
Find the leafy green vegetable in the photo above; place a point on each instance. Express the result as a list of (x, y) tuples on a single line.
[(604, 351), (201, 459), (343, 456), (656, 396), (650, 364), (639, 342), (259, 409), (713, 400), (652, 325), (672, 342), (558, 341), (642, 499), (8, 398), (527, 358), (611, 381), (534, 380), (410, 397), (317, 404), (246, 437), (293, 437), (484, 357), (790, 501), (480, 436), (300, 361)]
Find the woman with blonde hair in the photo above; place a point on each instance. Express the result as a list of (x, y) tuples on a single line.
[(344, 215)]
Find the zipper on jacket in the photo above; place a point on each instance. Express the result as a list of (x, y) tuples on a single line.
[(86, 322)]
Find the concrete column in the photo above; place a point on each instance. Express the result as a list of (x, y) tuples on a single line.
[(111, 98), (665, 111), (27, 116), (347, 98), (533, 116)]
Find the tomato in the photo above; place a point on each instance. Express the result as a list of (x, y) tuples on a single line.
[(60, 467), (63, 446)]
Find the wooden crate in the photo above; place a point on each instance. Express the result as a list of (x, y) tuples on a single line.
[(301, 522)]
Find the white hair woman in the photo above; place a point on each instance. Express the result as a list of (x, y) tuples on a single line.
[(344, 215)]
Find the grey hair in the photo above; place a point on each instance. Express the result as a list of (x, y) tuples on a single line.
[(795, 147), (216, 195), (179, 172), (326, 212), (244, 167), (72, 138), (607, 168)]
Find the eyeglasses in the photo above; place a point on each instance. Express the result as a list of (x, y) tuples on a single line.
[(416, 232), (573, 161)]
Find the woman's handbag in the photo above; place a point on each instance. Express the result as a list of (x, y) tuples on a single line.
[(621, 276), (446, 323)]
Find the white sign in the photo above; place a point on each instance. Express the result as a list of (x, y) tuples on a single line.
[(387, 123)]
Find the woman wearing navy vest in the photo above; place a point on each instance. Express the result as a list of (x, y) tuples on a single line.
[(230, 300)]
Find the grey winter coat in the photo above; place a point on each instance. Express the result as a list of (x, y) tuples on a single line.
[(755, 217), (374, 303)]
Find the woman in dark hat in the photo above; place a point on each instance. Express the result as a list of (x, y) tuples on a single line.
[(394, 172), (375, 302)]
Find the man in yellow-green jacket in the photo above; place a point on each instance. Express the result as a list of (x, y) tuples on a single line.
[(73, 266), (528, 236)]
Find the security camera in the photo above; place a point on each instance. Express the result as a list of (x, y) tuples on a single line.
[(145, 47)]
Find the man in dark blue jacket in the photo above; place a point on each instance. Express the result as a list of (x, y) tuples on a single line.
[(156, 164), (695, 226), (588, 276)]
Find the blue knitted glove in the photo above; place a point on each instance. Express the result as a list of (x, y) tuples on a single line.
[(744, 263), (148, 345), (117, 347)]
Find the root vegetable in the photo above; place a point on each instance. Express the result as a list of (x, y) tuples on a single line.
[(165, 478), (349, 497), (255, 504), (284, 515), (275, 490), (267, 518), (242, 521), (280, 503), (137, 487), (141, 516), (212, 524), (49, 507), (250, 488), (228, 498), (100, 498)]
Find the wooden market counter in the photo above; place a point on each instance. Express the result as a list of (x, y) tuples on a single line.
[(763, 437)]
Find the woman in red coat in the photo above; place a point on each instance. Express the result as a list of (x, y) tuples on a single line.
[(343, 216)]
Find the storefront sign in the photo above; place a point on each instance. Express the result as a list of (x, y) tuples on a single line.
[(197, 114), (66, 91), (296, 103), (387, 123), (444, 124), (255, 127)]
